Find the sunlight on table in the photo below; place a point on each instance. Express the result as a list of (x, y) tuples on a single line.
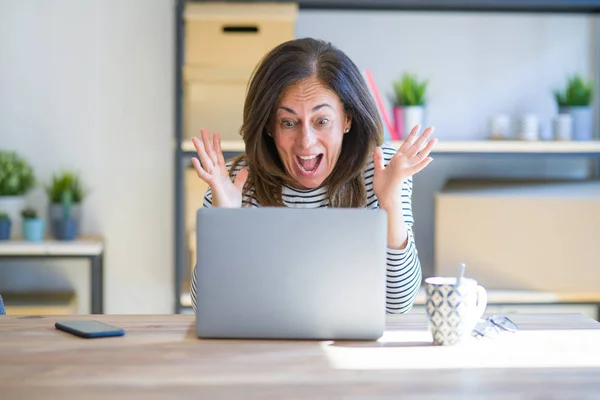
[(523, 349)]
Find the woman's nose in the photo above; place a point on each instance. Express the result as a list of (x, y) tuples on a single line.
[(308, 137)]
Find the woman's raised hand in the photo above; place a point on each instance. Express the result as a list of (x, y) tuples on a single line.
[(211, 169), (411, 158)]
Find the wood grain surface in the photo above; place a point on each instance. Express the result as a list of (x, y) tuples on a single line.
[(552, 356)]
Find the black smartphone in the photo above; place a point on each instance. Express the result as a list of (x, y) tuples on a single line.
[(89, 329)]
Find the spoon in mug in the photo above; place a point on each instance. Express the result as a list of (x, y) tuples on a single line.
[(461, 272)]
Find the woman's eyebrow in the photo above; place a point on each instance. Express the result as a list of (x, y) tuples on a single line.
[(315, 108), (288, 110), (319, 106)]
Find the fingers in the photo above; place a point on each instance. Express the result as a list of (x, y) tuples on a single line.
[(415, 169), (240, 179), (378, 159), (418, 144), (207, 164), (209, 146), (409, 139), (425, 152), (202, 174), (219, 151)]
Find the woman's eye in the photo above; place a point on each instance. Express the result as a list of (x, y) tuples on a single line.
[(323, 121), (288, 123)]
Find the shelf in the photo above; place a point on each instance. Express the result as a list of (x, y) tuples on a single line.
[(500, 297), (226, 145), (40, 303), (516, 147), (504, 297), (447, 147), (470, 147), (80, 247), (539, 6)]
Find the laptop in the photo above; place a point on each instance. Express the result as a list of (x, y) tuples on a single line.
[(289, 273)]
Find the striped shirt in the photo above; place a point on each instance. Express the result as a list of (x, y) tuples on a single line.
[(403, 266)]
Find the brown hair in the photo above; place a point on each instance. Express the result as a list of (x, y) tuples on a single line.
[(285, 65)]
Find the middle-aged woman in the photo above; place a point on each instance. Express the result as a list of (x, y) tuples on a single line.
[(314, 138)]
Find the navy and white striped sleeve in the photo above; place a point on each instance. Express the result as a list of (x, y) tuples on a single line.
[(404, 272)]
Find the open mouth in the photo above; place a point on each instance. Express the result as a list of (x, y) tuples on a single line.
[(309, 164)]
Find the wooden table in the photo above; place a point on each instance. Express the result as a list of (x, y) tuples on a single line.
[(91, 249), (552, 356)]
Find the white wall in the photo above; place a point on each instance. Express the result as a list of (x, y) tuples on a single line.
[(89, 85), (478, 64)]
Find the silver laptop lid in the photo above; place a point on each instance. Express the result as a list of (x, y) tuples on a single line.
[(291, 273)]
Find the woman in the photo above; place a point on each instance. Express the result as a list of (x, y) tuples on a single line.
[(313, 138)]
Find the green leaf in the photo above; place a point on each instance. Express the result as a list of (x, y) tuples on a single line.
[(65, 181), (29, 213), (409, 91), (578, 92), (16, 175)]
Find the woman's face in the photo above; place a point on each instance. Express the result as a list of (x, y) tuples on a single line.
[(308, 130)]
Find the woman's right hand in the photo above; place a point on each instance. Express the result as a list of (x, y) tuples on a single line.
[(212, 170)]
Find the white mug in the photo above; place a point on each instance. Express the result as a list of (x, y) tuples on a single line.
[(563, 126), (528, 127), (453, 311), (500, 126)]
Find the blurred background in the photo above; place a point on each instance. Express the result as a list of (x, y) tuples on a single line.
[(98, 100)]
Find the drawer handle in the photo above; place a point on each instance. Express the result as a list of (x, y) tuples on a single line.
[(240, 29)]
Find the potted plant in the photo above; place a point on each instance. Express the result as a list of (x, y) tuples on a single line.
[(5, 224), (65, 227), (16, 179), (575, 100), (410, 101), (65, 194), (33, 227)]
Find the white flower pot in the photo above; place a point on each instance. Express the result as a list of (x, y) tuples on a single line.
[(582, 121), (413, 115), (13, 205)]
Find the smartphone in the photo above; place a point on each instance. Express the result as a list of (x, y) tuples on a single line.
[(89, 329)]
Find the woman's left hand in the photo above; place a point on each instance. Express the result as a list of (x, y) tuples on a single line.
[(410, 158)]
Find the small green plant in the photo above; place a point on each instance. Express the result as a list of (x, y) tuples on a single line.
[(578, 92), (410, 91), (29, 213), (4, 216), (16, 175), (65, 181)]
